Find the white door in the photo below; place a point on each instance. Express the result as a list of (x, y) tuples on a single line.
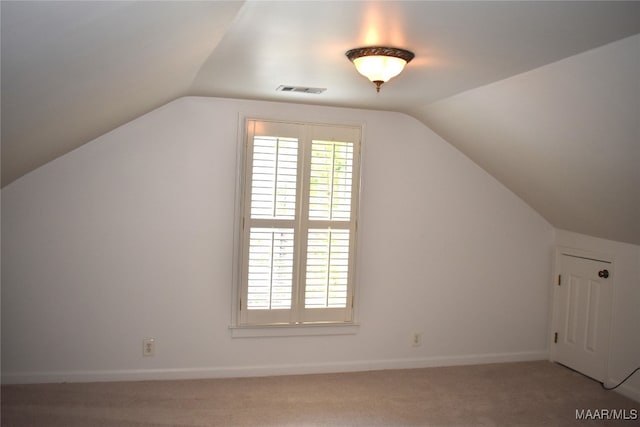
[(585, 297)]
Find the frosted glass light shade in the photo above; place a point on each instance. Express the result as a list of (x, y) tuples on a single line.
[(379, 68)]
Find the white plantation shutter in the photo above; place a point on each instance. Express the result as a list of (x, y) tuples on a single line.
[(327, 273), (299, 217), (273, 178), (331, 180), (270, 269)]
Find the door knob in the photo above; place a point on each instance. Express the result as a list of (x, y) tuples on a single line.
[(603, 273)]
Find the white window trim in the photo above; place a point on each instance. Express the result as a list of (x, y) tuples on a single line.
[(303, 329), (238, 330)]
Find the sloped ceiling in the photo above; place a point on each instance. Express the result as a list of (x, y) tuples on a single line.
[(543, 95), (72, 71), (564, 137)]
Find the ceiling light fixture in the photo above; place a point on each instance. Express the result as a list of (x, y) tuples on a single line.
[(379, 64)]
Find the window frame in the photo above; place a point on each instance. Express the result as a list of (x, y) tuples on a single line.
[(241, 324)]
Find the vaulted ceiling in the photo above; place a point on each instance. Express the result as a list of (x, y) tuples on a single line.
[(545, 96)]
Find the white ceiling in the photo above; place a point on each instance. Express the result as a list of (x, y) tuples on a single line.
[(564, 137), (72, 71)]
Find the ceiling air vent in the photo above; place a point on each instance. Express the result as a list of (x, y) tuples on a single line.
[(301, 89)]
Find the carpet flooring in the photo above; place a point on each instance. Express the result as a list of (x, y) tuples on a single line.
[(508, 394)]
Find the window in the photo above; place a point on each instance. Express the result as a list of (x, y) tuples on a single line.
[(300, 200)]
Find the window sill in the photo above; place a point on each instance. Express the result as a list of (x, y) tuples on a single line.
[(301, 330)]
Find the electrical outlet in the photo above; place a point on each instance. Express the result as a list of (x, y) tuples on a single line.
[(416, 339), (148, 347)]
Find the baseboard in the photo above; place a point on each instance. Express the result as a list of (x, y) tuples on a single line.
[(267, 370)]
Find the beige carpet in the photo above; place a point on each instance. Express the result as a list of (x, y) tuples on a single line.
[(510, 394)]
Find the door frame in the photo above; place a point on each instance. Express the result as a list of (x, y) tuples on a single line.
[(554, 323)]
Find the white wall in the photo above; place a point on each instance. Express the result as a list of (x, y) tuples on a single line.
[(131, 236), (624, 352)]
